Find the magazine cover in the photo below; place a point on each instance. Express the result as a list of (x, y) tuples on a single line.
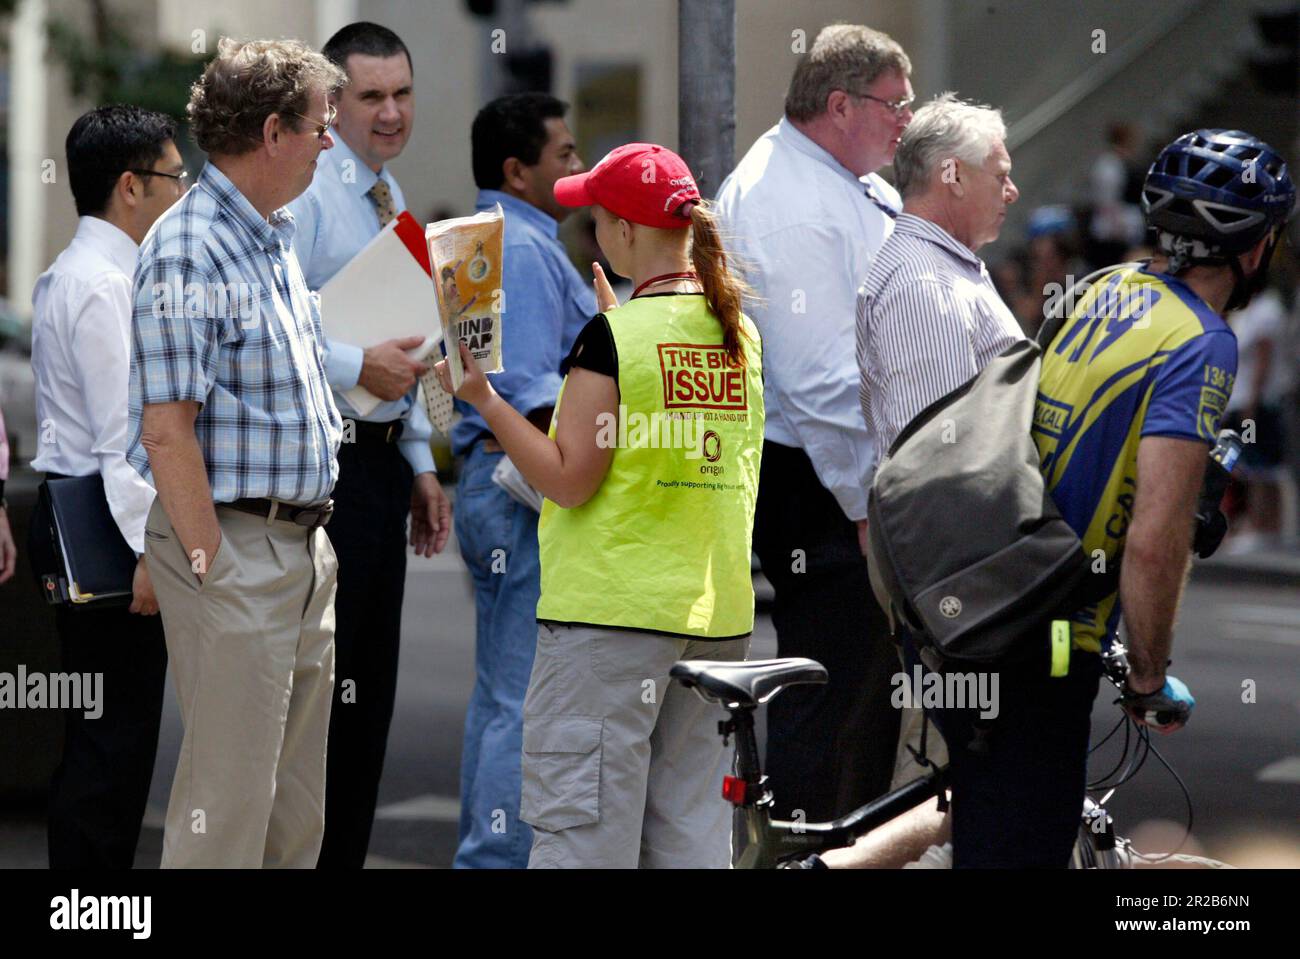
[(466, 256)]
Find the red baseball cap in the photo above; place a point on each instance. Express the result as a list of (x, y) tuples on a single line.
[(640, 182)]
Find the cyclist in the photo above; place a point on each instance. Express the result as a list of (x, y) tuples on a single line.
[(1131, 392)]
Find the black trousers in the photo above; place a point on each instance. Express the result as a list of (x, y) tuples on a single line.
[(830, 748), (1018, 800), (100, 788), (368, 531)]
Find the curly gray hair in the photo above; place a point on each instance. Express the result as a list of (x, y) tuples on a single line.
[(246, 82)]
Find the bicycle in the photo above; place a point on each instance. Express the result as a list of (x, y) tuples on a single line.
[(768, 843)]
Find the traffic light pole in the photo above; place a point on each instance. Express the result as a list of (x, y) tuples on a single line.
[(706, 97)]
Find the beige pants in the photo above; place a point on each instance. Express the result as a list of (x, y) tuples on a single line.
[(906, 768), (251, 650), (623, 767)]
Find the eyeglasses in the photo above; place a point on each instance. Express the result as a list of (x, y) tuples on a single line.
[(321, 128), (897, 106), (180, 178)]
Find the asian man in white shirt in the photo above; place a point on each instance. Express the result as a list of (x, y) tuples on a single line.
[(125, 172)]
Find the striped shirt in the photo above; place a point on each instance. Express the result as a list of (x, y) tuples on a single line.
[(929, 319), (223, 317)]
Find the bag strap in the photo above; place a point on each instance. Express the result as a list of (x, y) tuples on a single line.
[(1054, 309)]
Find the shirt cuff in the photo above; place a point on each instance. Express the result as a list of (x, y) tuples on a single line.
[(419, 455), (343, 364)]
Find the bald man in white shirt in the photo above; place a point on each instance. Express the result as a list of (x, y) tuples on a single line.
[(125, 172), (806, 212)]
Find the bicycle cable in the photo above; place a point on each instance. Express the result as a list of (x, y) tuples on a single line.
[(1141, 748), (1187, 798), (1130, 760), (1123, 721)]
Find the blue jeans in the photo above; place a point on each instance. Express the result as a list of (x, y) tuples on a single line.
[(498, 541)]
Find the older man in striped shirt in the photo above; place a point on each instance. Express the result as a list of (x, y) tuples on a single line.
[(929, 318)]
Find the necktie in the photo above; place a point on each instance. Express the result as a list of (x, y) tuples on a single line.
[(436, 402), (382, 197), (888, 210)]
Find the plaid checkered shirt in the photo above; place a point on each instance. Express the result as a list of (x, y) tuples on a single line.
[(223, 317)]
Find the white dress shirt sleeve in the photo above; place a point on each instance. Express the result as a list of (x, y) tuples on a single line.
[(101, 333), (809, 354)]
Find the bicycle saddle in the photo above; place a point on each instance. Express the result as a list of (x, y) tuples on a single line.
[(745, 684)]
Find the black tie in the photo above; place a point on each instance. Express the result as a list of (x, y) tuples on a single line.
[(889, 210)]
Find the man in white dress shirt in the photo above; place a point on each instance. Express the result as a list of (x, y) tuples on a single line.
[(806, 212), (386, 466), (125, 171)]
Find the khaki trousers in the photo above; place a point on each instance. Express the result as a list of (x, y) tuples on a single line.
[(252, 653), (623, 767)]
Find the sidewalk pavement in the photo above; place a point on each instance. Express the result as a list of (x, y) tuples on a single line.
[(1276, 565)]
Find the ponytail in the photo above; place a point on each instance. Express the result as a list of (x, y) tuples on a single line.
[(723, 290)]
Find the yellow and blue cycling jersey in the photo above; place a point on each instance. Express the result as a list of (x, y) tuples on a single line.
[(1140, 355)]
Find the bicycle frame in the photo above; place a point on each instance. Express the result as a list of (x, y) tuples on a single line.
[(764, 841)]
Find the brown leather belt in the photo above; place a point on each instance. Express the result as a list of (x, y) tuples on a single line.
[(313, 517)]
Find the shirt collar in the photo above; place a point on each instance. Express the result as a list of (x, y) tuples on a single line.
[(112, 240), (909, 224), (365, 177), (271, 233), (522, 209), (800, 141)]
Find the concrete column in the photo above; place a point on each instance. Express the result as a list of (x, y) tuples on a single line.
[(27, 149)]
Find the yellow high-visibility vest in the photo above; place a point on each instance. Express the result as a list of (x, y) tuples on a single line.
[(664, 544)]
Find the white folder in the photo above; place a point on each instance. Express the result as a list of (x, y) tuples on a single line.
[(385, 292)]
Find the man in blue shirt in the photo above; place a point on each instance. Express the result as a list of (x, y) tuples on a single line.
[(385, 462), (521, 146)]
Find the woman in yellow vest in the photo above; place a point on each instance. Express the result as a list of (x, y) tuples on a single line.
[(650, 475)]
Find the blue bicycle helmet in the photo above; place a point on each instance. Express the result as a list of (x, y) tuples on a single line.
[(1213, 194)]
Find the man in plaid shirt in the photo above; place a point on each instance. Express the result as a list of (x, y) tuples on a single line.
[(232, 421)]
